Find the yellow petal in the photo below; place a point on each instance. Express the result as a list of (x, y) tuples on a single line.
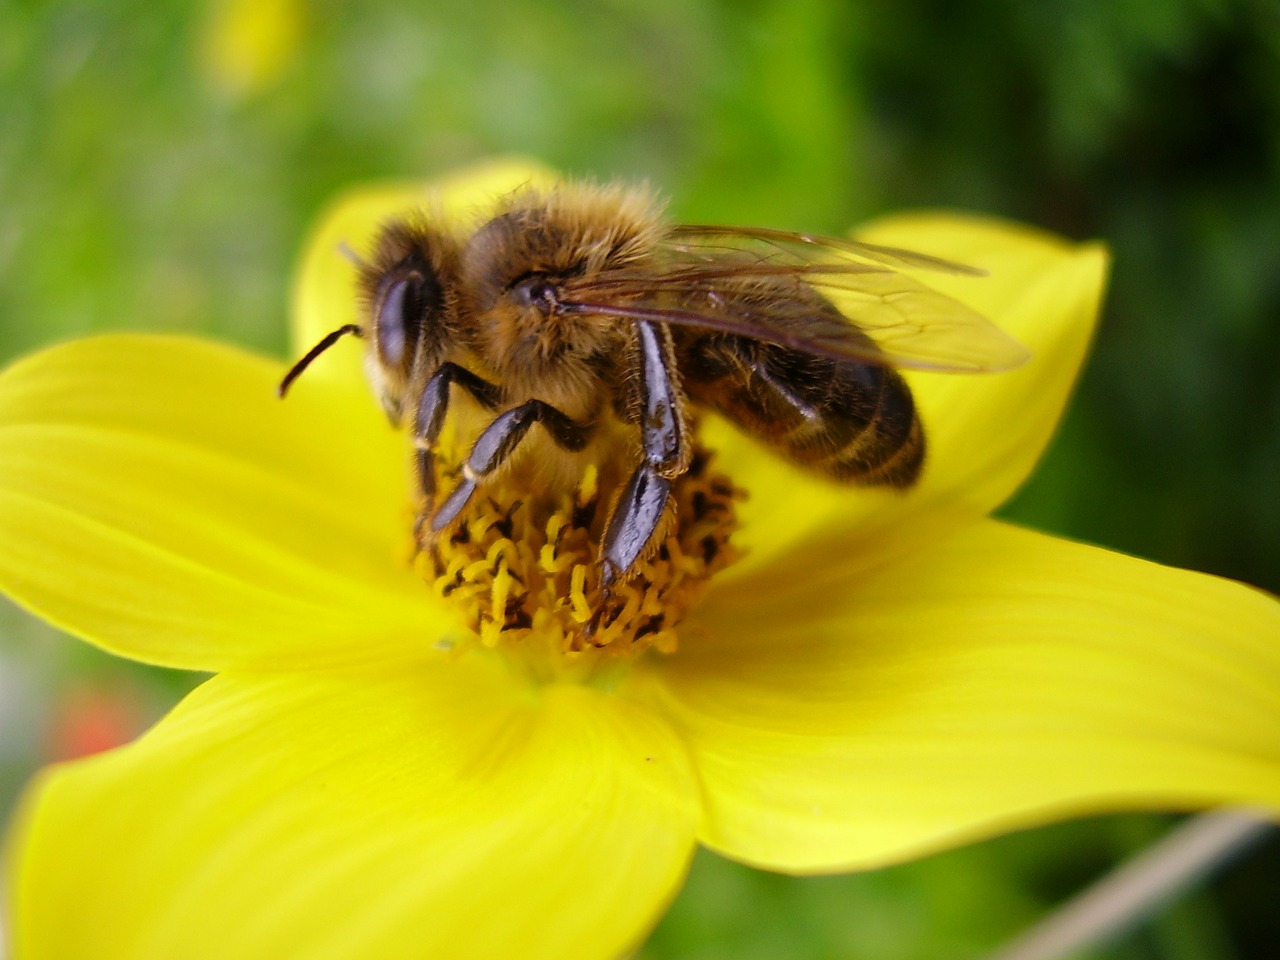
[(157, 499), (999, 679), (985, 432), (380, 813), (325, 296)]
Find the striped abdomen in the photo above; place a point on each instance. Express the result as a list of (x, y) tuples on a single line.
[(851, 420)]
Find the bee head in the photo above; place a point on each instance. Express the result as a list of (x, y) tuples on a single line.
[(408, 294)]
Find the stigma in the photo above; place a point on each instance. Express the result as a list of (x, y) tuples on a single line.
[(522, 574)]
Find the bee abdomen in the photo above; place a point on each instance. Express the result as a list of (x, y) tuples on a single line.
[(863, 429), (889, 447), (853, 421), (888, 452)]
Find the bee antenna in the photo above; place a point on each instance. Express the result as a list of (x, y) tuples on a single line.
[(349, 252), (319, 348)]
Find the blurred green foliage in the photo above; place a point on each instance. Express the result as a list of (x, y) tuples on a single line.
[(150, 180)]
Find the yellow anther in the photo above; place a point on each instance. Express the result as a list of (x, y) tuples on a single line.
[(523, 574), (578, 594)]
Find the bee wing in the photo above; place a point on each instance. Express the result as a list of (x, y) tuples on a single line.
[(708, 241), (703, 271)]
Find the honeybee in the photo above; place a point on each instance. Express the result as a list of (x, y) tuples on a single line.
[(580, 306)]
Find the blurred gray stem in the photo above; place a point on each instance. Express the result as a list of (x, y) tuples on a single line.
[(1139, 887)]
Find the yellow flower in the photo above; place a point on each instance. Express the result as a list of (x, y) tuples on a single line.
[(246, 46), (882, 675)]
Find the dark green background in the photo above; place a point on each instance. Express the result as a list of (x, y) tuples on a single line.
[(135, 193)]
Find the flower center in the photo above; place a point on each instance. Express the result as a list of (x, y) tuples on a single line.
[(522, 571)]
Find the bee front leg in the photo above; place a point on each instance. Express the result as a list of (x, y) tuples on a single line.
[(658, 406), (499, 440), (428, 422)]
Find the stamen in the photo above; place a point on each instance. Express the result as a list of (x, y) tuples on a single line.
[(523, 575)]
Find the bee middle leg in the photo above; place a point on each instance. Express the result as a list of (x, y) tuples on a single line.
[(499, 440)]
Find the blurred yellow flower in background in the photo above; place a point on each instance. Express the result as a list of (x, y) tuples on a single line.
[(880, 676), (245, 46)]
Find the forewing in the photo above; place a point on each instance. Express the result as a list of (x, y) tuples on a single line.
[(699, 277), (699, 241)]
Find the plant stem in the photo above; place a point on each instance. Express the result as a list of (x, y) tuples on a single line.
[(1134, 890)]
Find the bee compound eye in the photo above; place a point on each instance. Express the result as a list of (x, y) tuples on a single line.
[(403, 310), (535, 290), (391, 324)]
